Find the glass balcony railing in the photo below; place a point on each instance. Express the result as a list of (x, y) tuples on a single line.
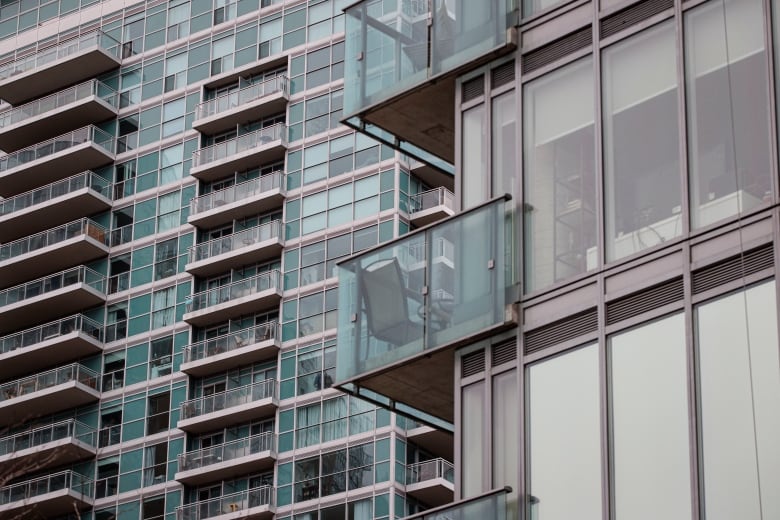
[(259, 283), (38, 382), (46, 434), (430, 470), (431, 199), (51, 191), (392, 46), (240, 144), (226, 504), (243, 96), (52, 237), (227, 451), (26, 490), (30, 337), (490, 505), (121, 235), (234, 340), (51, 283), (235, 241), (58, 100), (58, 144), (244, 190), (427, 290), (90, 40), (229, 399)]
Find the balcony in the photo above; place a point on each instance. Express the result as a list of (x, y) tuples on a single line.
[(431, 482), (433, 440), (240, 153), (45, 299), (47, 117), (253, 504), (58, 444), (405, 306), (239, 107), (46, 393), (67, 63), (238, 201), (260, 292), (54, 343), (53, 160), (78, 196), (249, 246), (228, 460), (238, 348), (234, 406), (490, 505), (432, 176), (403, 58), (49, 496), (30, 257), (431, 206)]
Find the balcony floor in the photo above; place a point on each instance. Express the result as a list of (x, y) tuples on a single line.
[(430, 215), (250, 303), (245, 113), (50, 505), (232, 415), (227, 212), (46, 401), (240, 161), (250, 253), (48, 306), (237, 357), (49, 455), (217, 470), (58, 350)]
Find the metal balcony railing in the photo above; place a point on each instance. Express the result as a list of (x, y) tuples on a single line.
[(48, 379), (229, 398), (236, 192), (231, 341), (35, 335), (430, 470), (46, 434), (237, 145), (235, 241), (258, 283), (54, 236), (58, 144), (255, 497), (227, 451), (48, 484), (53, 282), (430, 199), (46, 193), (243, 96)]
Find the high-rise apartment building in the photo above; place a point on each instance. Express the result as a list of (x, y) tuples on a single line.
[(599, 318), (177, 189)]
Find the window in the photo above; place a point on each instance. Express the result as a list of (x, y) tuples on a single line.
[(161, 357), (165, 259), (154, 508), (157, 415), (113, 371), (110, 425), (163, 307), (107, 479), (155, 464)]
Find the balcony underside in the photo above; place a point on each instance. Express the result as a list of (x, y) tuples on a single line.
[(56, 122), (51, 352), (240, 161), (57, 166), (48, 306), (435, 441), (56, 398), (50, 259), (430, 215), (244, 113), (242, 356), (432, 176), (433, 493), (232, 415), (215, 470), (249, 304), (49, 455), (60, 210), (249, 254), (50, 505), (57, 75), (225, 212)]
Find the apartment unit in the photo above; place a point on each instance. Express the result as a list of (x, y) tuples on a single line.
[(176, 189), (598, 319)]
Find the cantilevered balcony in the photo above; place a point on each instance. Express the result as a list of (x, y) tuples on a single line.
[(402, 59), (49, 446), (242, 106), (53, 296), (81, 195), (55, 114), (77, 242), (238, 201), (431, 206), (254, 294), (53, 160), (238, 348), (253, 504), (245, 247), (234, 406), (226, 461), (47, 393), (405, 306), (490, 505), (50, 496), (54, 68), (240, 153), (47, 345), (433, 440), (431, 481)]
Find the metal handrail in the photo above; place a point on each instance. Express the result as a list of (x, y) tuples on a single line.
[(227, 451), (28, 244), (47, 331), (440, 196), (46, 434), (242, 96), (242, 143), (86, 179), (235, 241), (429, 470), (42, 485), (58, 144), (260, 282), (231, 341), (229, 398), (48, 379), (52, 282), (236, 192), (234, 502)]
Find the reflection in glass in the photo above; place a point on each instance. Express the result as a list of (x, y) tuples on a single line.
[(534, 6), (728, 123), (650, 441), (564, 446), (474, 159), (473, 440), (504, 144), (740, 405), (641, 149), (560, 186)]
